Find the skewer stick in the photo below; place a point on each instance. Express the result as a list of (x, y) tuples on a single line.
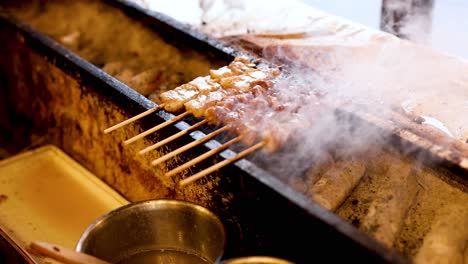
[(190, 163), (221, 164), (173, 137), (188, 146), (156, 128), (63, 254), (128, 121)]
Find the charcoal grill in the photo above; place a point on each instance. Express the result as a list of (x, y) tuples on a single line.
[(51, 95)]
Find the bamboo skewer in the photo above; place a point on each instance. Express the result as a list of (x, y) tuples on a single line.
[(188, 146), (221, 164), (173, 137), (63, 254), (200, 158), (130, 120), (156, 128)]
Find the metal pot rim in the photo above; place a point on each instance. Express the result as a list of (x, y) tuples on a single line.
[(116, 211)]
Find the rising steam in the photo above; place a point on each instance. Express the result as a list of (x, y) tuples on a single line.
[(377, 78)]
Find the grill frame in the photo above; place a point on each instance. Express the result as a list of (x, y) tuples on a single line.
[(255, 178)]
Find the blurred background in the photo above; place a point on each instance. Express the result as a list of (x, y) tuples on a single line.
[(441, 24)]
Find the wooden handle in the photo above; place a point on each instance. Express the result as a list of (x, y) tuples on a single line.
[(64, 254)]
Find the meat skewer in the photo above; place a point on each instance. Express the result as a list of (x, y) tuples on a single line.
[(202, 157), (174, 99), (228, 97), (130, 120), (221, 164), (156, 128), (188, 146), (173, 137), (237, 76), (225, 97), (199, 94), (214, 97)]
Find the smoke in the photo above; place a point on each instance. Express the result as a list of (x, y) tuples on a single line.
[(375, 78), (344, 66)]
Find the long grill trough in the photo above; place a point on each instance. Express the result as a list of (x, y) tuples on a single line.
[(96, 93)]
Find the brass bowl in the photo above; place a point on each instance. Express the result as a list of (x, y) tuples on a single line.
[(156, 231)]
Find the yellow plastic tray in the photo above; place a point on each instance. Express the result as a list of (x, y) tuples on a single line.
[(46, 195)]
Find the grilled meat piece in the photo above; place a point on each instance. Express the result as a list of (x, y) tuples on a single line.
[(229, 96)]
